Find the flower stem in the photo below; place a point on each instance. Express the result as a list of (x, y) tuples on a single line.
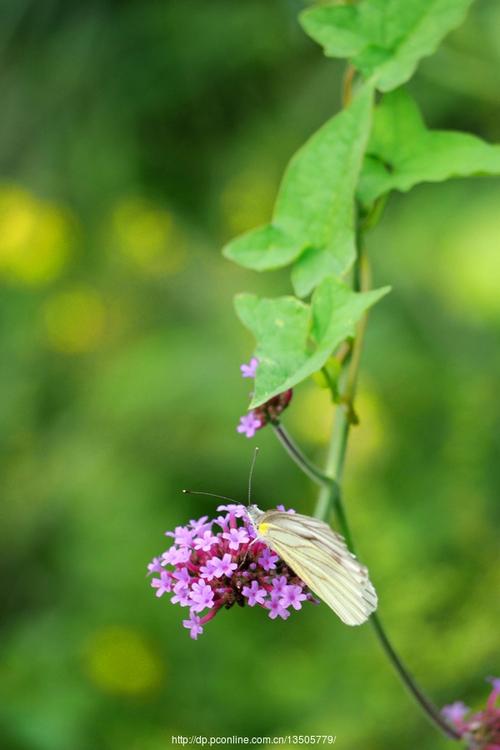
[(293, 450), (330, 382), (430, 710), (330, 496)]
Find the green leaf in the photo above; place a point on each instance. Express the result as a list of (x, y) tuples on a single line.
[(294, 339), (402, 152), (264, 249), (314, 212), (384, 38)]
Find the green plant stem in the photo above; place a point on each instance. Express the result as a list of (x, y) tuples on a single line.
[(330, 496), (329, 493), (331, 499), (430, 710), (330, 382), (335, 503), (293, 450), (330, 481)]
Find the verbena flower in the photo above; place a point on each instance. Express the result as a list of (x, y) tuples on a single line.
[(155, 565), (248, 371), (481, 730), (249, 424), (257, 418), (214, 564)]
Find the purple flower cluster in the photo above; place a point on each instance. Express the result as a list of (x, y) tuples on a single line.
[(218, 563), (481, 730), (257, 418)]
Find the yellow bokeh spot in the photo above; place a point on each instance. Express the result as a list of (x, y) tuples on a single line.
[(310, 417), (469, 264), (119, 660), (148, 237), (247, 201), (74, 320), (35, 238), (368, 438)]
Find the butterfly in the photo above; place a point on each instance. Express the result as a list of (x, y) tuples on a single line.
[(321, 558), (317, 554)]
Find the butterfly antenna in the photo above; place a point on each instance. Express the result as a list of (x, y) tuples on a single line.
[(210, 494), (251, 474)]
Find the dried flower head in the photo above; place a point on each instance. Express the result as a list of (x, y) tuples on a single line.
[(214, 564), (480, 730)]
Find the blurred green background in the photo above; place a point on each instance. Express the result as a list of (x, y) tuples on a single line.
[(135, 138)]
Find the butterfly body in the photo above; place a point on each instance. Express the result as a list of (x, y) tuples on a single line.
[(321, 558)]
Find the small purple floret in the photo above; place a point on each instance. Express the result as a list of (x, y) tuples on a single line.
[(224, 567), (495, 682), (205, 541), (184, 537), (249, 424), (267, 412), (181, 594), (201, 596), (155, 565), (268, 559), (200, 525), (455, 712), (175, 555), (194, 626), (249, 371), (238, 511), (163, 585), (236, 537), (276, 609), (254, 594), (279, 584), (293, 596)]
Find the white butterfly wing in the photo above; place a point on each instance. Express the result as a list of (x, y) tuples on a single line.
[(320, 557)]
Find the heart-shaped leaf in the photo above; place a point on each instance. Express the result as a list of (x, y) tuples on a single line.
[(402, 152), (313, 218), (294, 339), (384, 39)]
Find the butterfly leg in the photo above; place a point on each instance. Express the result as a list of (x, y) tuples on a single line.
[(246, 552)]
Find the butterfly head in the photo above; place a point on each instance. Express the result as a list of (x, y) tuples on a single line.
[(254, 513)]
